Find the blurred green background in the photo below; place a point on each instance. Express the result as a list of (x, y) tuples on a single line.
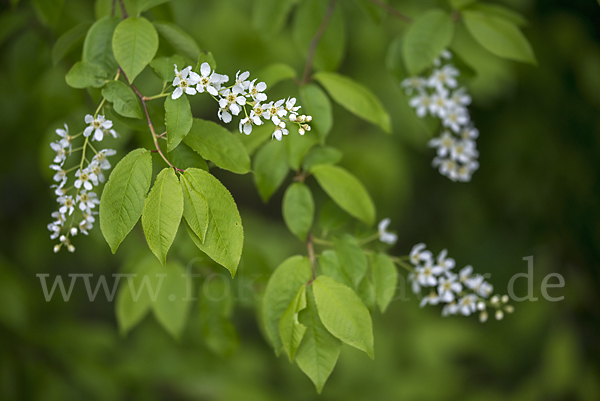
[(537, 193)]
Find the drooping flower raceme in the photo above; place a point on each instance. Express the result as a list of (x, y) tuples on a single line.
[(463, 293), (77, 202), (243, 95), (439, 96)]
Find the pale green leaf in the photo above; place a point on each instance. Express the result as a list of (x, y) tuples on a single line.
[(319, 350), (330, 267), (291, 330), (172, 305), (298, 209), (124, 100), (331, 48), (355, 98), (315, 103), (366, 292), (282, 286), (499, 36), (343, 314), (385, 279), (181, 41), (68, 41), (184, 157), (347, 191), (135, 43), (425, 39), (225, 236), (332, 217), (162, 213), (195, 209), (275, 73), (321, 155), (165, 67), (353, 259), (270, 168), (178, 120), (85, 75), (297, 145), (97, 47), (122, 200), (216, 301), (215, 143)]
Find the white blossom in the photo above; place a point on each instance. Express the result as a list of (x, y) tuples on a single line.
[(87, 200), (184, 82), (209, 82), (384, 236), (98, 126), (85, 178), (256, 91), (413, 84), (419, 254), (67, 204)]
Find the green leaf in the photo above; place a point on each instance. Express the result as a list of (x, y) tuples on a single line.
[(499, 36), (225, 236), (97, 47), (343, 314), (281, 288), (269, 16), (215, 143), (184, 157), (260, 135), (178, 120), (394, 60), (275, 73), (321, 155), (143, 5), (122, 200), (330, 267), (347, 191), (332, 217), (49, 11), (165, 67), (500, 11), (68, 40), (291, 330), (296, 147), (270, 168), (298, 209), (385, 279), (181, 41), (162, 213), (315, 103), (216, 303), (135, 43), (85, 75), (425, 39), (366, 293), (353, 259), (172, 306), (136, 293), (195, 209), (355, 98), (124, 100), (330, 49), (319, 350)]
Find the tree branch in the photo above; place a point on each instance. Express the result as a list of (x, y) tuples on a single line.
[(391, 10), (315, 41), (123, 9)]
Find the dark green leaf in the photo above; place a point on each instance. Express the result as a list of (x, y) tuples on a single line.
[(165, 67), (184, 157), (181, 41), (353, 259), (124, 100), (321, 155), (85, 75), (298, 209), (68, 40), (316, 104), (270, 168), (97, 47)]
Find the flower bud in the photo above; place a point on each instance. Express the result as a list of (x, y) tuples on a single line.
[(509, 309), (480, 305), (56, 248), (483, 316), (495, 299), (308, 119), (301, 131), (505, 299), (73, 231), (499, 315), (71, 248)]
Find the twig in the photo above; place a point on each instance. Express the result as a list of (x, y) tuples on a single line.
[(112, 8), (315, 41), (311, 257), (150, 125), (123, 9), (391, 10)]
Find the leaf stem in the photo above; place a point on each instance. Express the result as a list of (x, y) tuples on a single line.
[(402, 264), (391, 10), (311, 256), (315, 41), (321, 241)]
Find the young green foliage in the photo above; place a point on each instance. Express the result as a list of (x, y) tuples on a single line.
[(316, 103), (162, 213), (180, 40), (385, 279), (122, 200), (135, 43), (124, 100), (216, 304), (343, 314), (352, 258), (298, 209), (291, 330), (85, 75), (195, 209), (178, 120), (270, 168), (97, 47), (224, 236)]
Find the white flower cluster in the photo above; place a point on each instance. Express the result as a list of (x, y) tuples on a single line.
[(439, 96), (77, 202), (385, 236), (463, 293), (237, 97)]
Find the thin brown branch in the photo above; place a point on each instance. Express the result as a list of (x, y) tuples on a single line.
[(150, 125), (123, 9), (112, 8), (315, 41), (391, 10)]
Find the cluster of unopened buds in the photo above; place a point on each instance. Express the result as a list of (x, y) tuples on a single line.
[(464, 293), (78, 201), (438, 95), (243, 94)]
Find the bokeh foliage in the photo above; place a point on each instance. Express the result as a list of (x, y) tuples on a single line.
[(536, 194)]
